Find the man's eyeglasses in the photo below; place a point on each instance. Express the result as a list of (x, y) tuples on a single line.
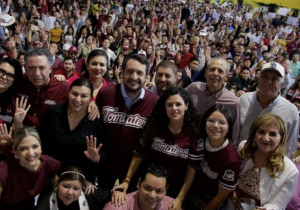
[(10, 77)]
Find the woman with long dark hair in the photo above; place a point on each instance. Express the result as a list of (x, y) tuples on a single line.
[(169, 138)]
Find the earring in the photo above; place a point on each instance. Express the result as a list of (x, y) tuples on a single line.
[(16, 157), (254, 144)]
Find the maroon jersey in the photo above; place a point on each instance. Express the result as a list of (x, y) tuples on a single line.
[(19, 184), (220, 168), (167, 149), (40, 99), (123, 126)]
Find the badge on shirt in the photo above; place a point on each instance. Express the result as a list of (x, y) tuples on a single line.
[(49, 102), (229, 175), (200, 145)]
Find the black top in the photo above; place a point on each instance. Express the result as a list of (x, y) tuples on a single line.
[(69, 146), (95, 201)]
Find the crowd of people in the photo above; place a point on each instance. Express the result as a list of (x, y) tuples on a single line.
[(181, 104)]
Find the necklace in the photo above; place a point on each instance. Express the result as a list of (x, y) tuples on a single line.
[(71, 114)]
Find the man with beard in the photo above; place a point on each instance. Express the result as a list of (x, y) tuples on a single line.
[(125, 109), (68, 71), (165, 77)]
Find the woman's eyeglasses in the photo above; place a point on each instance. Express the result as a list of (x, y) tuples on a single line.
[(10, 77), (221, 123)]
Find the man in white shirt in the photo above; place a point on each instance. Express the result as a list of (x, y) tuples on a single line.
[(111, 55)]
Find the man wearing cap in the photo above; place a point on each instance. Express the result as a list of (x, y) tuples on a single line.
[(65, 51), (80, 65), (268, 100), (204, 95)]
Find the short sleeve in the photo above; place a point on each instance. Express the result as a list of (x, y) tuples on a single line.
[(229, 176), (196, 153), (3, 173)]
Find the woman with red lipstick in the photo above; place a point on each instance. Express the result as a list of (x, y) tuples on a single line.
[(170, 139), (69, 194), (217, 175), (97, 64), (267, 177), (69, 136), (26, 175)]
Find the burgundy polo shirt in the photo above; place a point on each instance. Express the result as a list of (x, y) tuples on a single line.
[(185, 60), (40, 99)]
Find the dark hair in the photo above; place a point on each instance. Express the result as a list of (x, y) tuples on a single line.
[(168, 63), (140, 58), (158, 171), (20, 54), (159, 120), (265, 51), (194, 59), (68, 30), (96, 53), (227, 114), (39, 52), (69, 58), (73, 174), (245, 68), (82, 82), (11, 92), (57, 21)]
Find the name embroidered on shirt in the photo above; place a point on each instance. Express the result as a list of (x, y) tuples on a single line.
[(111, 115), (208, 171), (159, 145), (49, 102)]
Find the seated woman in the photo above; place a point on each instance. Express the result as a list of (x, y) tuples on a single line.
[(26, 175), (69, 194), (217, 176), (65, 129), (267, 177), (170, 139)]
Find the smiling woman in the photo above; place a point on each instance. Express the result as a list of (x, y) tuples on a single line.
[(217, 176), (28, 174), (69, 136), (97, 62), (170, 138), (267, 178), (69, 193)]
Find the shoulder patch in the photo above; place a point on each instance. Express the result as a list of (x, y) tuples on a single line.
[(228, 175)]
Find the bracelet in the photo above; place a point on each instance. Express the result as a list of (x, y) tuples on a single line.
[(126, 181), (128, 177)]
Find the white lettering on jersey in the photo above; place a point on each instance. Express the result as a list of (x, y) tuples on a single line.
[(208, 171), (111, 115), (174, 150)]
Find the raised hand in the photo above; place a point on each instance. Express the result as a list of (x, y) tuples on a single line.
[(92, 151), (188, 72), (21, 111), (5, 136)]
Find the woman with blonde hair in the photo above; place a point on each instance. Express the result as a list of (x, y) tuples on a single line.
[(26, 175), (258, 66), (267, 177)]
